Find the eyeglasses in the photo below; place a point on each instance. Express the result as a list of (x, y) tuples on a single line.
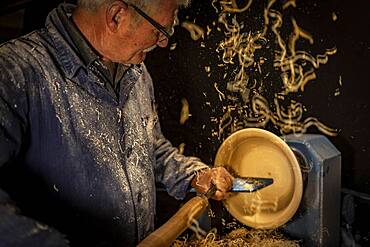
[(166, 33)]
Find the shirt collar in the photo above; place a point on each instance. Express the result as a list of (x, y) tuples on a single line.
[(71, 33), (87, 52)]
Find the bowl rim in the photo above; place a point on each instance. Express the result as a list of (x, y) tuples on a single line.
[(293, 205)]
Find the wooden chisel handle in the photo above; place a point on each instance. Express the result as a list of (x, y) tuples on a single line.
[(177, 224)]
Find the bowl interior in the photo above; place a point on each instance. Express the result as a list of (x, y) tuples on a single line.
[(259, 153)]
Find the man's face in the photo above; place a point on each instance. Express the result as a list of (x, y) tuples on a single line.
[(133, 42)]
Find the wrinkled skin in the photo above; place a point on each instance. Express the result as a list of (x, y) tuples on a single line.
[(218, 176), (117, 37)]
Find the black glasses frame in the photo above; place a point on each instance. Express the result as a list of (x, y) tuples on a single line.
[(158, 26)]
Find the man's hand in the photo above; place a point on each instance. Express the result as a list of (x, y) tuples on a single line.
[(218, 176)]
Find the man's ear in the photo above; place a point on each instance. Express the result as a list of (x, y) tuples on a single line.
[(116, 15)]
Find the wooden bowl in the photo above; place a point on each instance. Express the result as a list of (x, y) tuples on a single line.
[(259, 153)]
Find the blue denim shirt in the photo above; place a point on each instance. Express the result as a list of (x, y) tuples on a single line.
[(95, 158)]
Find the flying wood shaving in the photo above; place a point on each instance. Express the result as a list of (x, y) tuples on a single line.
[(184, 115), (298, 32), (289, 3), (220, 94), (234, 8), (196, 32), (173, 46), (334, 16), (181, 148)]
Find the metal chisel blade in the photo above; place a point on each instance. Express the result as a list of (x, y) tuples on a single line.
[(250, 184), (247, 184)]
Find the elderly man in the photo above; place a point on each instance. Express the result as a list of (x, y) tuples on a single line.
[(81, 146)]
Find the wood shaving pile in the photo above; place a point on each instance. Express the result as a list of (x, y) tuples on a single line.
[(238, 238)]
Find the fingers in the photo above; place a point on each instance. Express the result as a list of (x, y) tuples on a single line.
[(218, 176), (202, 181), (220, 195), (223, 181)]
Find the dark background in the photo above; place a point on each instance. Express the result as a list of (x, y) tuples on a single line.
[(180, 74)]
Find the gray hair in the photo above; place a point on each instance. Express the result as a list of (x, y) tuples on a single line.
[(145, 5)]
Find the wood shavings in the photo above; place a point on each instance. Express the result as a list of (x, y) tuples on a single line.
[(173, 46), (55, 188), (297, 69), (184, 115), (240, 238), (334, 16), (232, 6), (289, 3), (196, 32), (181, 148)]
